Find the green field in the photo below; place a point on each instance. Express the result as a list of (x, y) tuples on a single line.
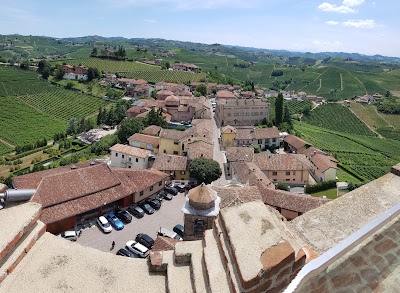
[(63, 104), (337, 117), (4, 148), (14, 82), (165, 75), (365, 158), (369, 115), (112, 65), (21, 124)]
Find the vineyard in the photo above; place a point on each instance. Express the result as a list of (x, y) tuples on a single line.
[(112, 65), (337, 117), (295, 107), (165, 75), (14, 82), (364, 157), (63, 104), (4, 148), (21, 124)]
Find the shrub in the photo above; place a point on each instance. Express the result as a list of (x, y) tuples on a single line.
[(282, 186), (321, 186)]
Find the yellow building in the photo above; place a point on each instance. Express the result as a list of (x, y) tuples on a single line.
[(170, 142), (146, 142), (228, 134), (175, 166)]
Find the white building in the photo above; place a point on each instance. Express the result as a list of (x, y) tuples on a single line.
[(125, 156)]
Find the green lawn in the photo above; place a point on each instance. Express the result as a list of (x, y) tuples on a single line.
[(330, 193)]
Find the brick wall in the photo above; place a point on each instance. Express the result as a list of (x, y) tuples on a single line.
[(369, 267), (189, 225)]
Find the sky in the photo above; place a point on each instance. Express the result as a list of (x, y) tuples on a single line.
[(356, 26)]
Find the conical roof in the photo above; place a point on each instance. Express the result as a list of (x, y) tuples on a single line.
[(202, 197)]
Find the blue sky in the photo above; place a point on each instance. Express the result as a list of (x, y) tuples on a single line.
[(363, 26)]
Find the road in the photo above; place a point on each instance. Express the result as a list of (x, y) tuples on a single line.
[(168, 216), (218, 155)]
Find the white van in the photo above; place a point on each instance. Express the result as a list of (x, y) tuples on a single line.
[(69, 235)]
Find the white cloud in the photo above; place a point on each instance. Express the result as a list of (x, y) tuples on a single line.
[(353, 3), (332, 22), (360, 23), (334, 8)]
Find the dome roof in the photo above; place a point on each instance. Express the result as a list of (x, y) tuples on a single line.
[(202, 197)]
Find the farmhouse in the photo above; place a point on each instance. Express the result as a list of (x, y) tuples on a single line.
[(184, 67), (295, 144), (75, 72), (324, 167)]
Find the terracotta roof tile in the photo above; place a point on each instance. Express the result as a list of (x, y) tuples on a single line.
[(153, 140), (170, 162), (173, 134), (295, 141), (152, 130), (228, 129), (225, 95), (237, 154), (233, 196), (200, 149), (279, 162), (249, 173), (131, 151)]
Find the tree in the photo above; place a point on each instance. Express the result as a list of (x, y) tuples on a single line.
[(129, 127), (58, 72), (155, 118), (25, 64), (92, 73), (69, 85), (72, 126), (202, 89), (205, 170), (279, 109), (167, 65), (286, 116), (44, 68), (94, 52)]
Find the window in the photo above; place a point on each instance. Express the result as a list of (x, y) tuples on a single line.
[(274, 140), (288, 173), (287, 179), (176, 143), (247, 114), (175, 152), (130, 159), (182, 172), (151, 188), (141, 193), (294, 173), (116, 154), (229, 114), (123, 156), (274, 173), (260, 141), (165, 151), (199, 227), (137, 160), (160, 183)]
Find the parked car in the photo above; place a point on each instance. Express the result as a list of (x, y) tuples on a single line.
[(136, 211), (147, 208), (165, 195), (124, 252), (154, 203), (180, 187), (103, 224), (179, 229), (145, 240), (115, 222), (168, 233), (171, 190), (190, 185), (137, 248), (69, 235), (124, 216)]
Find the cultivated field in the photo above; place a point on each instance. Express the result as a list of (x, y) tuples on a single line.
[(337, 117), (365, 158), (63, 104), (112, 65), (21, 124), (165, 75), (5, 148)]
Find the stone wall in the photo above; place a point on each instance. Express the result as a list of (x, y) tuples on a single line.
[(189, 225)]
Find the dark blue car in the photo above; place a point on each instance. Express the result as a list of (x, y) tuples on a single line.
[(115, 222)]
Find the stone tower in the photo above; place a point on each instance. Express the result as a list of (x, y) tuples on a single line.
[(200, 209)]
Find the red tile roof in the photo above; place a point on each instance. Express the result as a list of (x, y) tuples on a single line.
[(279, 162), (295, 141), (237, 154), (249, 173), (153, 130), (129, 150), (225, 95), (200, 149), (166, 162), (228, 129), (142, 138)]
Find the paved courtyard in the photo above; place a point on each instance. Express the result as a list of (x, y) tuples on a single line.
[(167, 216)]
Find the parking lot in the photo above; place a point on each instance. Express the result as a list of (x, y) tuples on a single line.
[(167, 216)]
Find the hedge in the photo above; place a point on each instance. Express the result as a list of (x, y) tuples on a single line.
[(321, 186)]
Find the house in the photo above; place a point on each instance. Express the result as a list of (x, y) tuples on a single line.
[(228, 134), (175, 166), (146, 142), (283, 168), (241, 111), (163, 94), (347, 103), (107, 53), (238, 154), (75, 72), (324, 167), (185, 67), (271, 94), (136, 110), (248, 94), (125, 156), (377, 96), (153, 130), (73, 194), (161, 85), (264, 138), (138, 91), (224, 94), (199, 149), (295, 144), (170, 141), (366, 99), (187, 108), (110, 78)]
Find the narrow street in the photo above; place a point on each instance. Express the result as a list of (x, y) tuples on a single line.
[(218, 155)]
